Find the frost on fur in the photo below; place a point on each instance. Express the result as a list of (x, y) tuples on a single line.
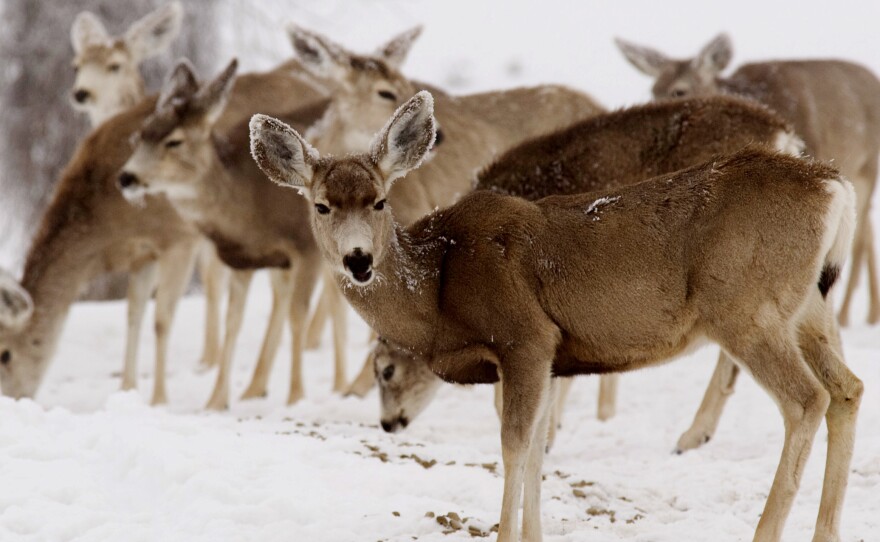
[(403, 143), (283, 155)]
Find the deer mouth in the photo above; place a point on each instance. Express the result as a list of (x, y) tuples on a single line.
[(363, 277)]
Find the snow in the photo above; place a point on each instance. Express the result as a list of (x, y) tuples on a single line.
[(88, 463)]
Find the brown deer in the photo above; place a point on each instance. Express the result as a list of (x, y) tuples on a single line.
[(216, 186), (89, 229), (741, 251), (833, 105), (474, 128), (607, 151)]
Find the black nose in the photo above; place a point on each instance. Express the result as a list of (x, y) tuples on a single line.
[(387, 427), (127, 179), (81, 95), (359, 264)]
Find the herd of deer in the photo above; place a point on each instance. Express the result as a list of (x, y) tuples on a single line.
[(588, 243)]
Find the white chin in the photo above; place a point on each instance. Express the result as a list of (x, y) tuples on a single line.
[(360, 281), (137, 198)]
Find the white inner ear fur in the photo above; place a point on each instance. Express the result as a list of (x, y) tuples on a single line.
[(282, 154), (16, 305), (405, 140)]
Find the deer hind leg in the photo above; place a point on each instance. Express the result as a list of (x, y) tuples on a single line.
[(531, 528), (337, 309), (305, 275), (717, 393), (773, 357), (863, 246), (563, 386), (215, 279), (175, 270), (282, 293), (318, 319), (873, 284), (818, 340), (364, 381), (607, 396), (239, 284), (140, 286)]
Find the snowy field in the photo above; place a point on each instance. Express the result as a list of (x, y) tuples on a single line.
[(85, 462)]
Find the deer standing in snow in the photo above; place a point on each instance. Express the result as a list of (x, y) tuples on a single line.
[(741, 251), (606, 151)]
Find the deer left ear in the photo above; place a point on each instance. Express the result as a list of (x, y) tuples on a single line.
[(395, 51), (87, 30), (154, 33), (16, 305), (283, 155), (212, 97), (715, 56), (406, 139)]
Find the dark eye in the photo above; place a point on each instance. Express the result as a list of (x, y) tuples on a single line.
[(678, 93), (379, 205), (322, 209), (388, 372), (113, 68), (5, 357), (388, 95), (173, 143)]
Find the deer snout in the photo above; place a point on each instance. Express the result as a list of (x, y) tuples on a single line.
[(360, 265), (395, 425), (127, 180), (80, 95)]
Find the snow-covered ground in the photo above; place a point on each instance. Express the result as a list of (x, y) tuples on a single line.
[(88, 463)]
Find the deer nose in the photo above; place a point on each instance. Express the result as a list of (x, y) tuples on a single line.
[(81, 95), (127, 179), (360, 265), (388, 427)]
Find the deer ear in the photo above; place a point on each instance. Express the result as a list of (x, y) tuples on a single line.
[(715, 56), (406, 139), (283, 155), (395, 51), (180, 87), (87, 30), (16, 305), (213, 96), (153, 33), (318, 54), (646, 60)]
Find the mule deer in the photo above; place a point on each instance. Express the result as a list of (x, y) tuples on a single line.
[(740, 251), (89, 229), (833, 105), (474, 127), (604, 152), (216, 186)]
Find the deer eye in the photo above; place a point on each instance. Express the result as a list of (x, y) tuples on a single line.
[(322, 209), (5, 357), (173, 143), (388, 95), (678, 93), (113, 68), (388, 372), (379, 205)]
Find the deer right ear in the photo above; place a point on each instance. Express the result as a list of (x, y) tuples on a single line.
[(405, 141), (396, 50), (87, 30), (318, 54), (648, 61), (283, 155), (154, 33), (180, 87), (16, 305)]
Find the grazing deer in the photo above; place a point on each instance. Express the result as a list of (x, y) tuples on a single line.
[(89, 229), (474, 128), (741, 251), (216, 186), (833, 105), (607, 151)]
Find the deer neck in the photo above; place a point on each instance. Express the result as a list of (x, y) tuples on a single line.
[(401, 304), (210, 195)]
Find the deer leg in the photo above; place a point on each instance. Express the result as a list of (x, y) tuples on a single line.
[(775, 360), (175, 270), (282, 293), (337, 309), (318, 319), (706, 419), (239, 284), (366, 378), (215, 278), (873, 285), (563, 386), (499, 400), (140, 286), (607, 396), (531, 528), (305, 275), (855, 271), (526, 390), (819, 345)]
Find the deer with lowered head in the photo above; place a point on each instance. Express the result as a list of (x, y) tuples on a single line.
[(741, 251), (834, 106), (605, 152), (89, 229), (214, 184)]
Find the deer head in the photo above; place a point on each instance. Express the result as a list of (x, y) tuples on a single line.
[(406, 385), (681, 78), (351, 220), (368, 87), (108, 78), (22, 355), (174, 148)]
